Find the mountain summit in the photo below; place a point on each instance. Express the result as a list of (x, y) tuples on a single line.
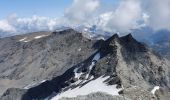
[(74, 67)]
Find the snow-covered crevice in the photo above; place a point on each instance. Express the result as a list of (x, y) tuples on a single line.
[(155, 89), (77, 74), (90, 68), (97, 85), (95, 59)]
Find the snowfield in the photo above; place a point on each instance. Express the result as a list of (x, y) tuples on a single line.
[(94, 86)]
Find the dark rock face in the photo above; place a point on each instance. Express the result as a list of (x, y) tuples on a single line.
[(129, 64)]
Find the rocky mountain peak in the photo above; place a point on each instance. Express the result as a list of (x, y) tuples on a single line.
[(132, 45), (113, 38), (128, 39), (127, 43)]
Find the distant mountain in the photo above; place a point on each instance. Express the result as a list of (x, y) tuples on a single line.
[(64, 65), (6, 34), (160, 42), (93, 32)]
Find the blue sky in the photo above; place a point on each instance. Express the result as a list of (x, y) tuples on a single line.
[(27, 8), (47, 8)]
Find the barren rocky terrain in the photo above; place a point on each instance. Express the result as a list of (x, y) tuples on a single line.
[(60, 65)]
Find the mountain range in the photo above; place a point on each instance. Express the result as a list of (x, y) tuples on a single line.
[(66, 65)]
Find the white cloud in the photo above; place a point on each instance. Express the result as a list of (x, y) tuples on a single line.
[(135, 14), (121, 19), (145, 18), (34, 23), (16, 25), (127, 15), (81, 11), (6, 27), (159, 11)]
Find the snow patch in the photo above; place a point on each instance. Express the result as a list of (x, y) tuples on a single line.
[(43, 81), (94, 86), (40, 36), (79, 49), (27, 41), (23, 39), (155, 89), (77, 75), (96, 57)]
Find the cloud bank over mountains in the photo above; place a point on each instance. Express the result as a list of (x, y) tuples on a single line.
[(127, 16), (16, 25)]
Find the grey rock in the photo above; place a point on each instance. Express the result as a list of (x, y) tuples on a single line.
[(97, 96), (13, 94), (25, 63)]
